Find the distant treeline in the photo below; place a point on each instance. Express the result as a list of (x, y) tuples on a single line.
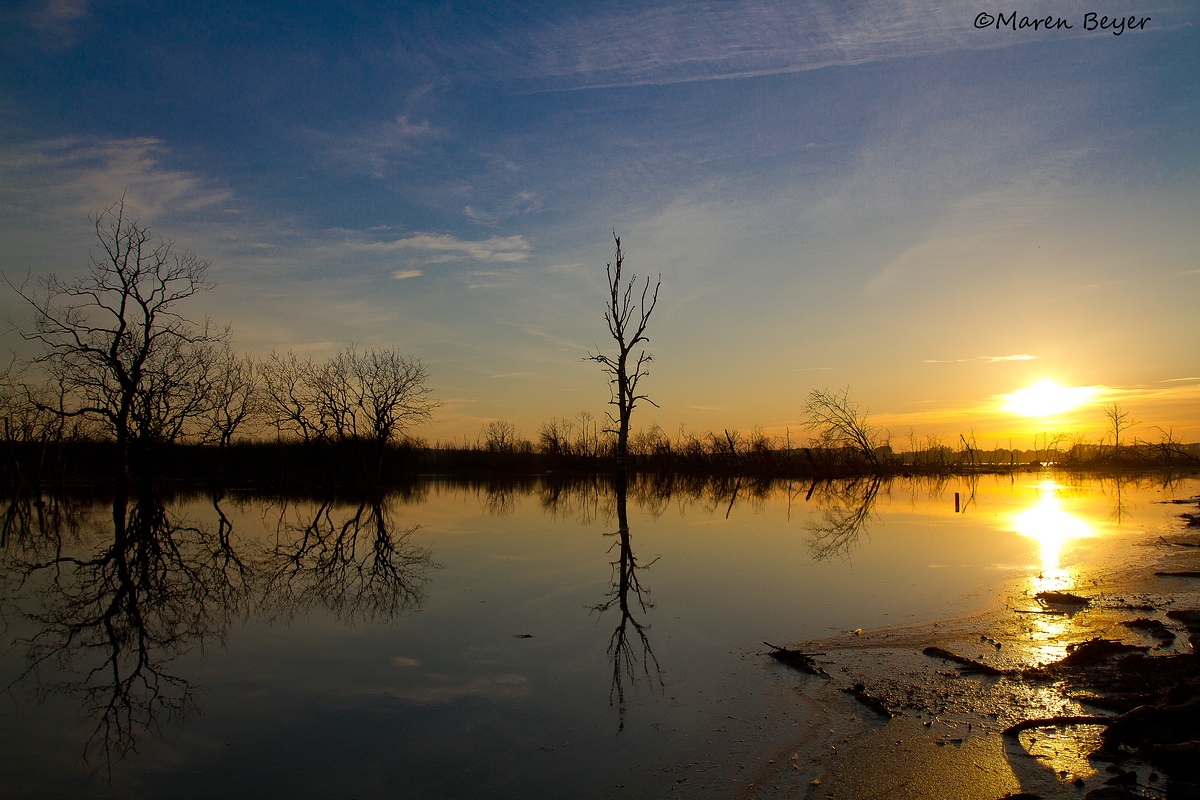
[(338, 464)]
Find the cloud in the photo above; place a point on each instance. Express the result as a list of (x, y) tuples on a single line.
[(678, 42), (437, 248), (401, 274), (56, 21), (1181, 380), (377, 150), (986, 359), (969, 231), (522, 202), (77, 176)]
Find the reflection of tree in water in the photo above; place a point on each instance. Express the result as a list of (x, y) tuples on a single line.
[(846, 508), (357, 567), (499, 499), (629, 649), (111, 617), (114, 602), (583, 497)]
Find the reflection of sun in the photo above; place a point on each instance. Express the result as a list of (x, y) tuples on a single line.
[(1051, 526), (1046, 398)]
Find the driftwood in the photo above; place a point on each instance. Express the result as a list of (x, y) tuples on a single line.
[(967, 664), (1061, 599), (1183, 574), (797, 659), (859, 692)]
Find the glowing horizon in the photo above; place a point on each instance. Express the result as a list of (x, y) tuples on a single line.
[(1047, 398)]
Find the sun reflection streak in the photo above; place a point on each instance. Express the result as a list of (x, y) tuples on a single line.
[(1049, 524), (1053, 527)]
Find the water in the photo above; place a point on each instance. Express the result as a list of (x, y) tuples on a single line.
[(503, 640)]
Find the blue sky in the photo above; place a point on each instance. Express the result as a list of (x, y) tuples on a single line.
[(873, 195)]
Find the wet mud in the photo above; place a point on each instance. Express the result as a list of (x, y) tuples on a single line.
[(1091, 694)]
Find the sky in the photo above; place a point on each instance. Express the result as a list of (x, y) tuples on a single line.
[(878, 197)]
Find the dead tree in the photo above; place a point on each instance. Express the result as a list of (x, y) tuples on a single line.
[(628, 330), (839, 425), (1118, 422), (116, 343)]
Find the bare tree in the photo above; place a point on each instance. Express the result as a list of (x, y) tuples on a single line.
[(115, 342), (1118, 422), (500, 436), (628, 330), (370, 397), (839, 424), (236, 397), (290, 397)]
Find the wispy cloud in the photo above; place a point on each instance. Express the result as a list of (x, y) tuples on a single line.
[(974, 226), (56, 21), (379, 149), (986, 359), (437, 248), (522, 202), (402, 274), (78, 176), (677, 42), (1181, 380)]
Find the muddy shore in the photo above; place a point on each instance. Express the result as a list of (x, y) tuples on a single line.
[(1088, 694)]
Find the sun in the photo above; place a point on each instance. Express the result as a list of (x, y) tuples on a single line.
[(1046, 398)]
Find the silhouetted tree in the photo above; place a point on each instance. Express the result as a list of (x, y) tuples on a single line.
[(236, 396), (1118, 422), (370, 397), (628, 330), (115, 343), (839, 424)]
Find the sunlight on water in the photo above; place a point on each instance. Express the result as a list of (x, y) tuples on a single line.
[(1064, 751), (1053, 527)]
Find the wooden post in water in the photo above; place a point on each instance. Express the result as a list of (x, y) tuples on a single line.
[(956, 502)]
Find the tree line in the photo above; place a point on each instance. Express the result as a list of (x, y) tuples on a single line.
[(118, 361)]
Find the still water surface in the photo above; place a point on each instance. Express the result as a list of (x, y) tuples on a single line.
[(541, 639)]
